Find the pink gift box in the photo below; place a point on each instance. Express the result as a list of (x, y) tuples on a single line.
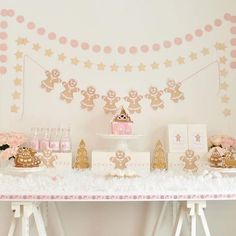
[(121, 128)]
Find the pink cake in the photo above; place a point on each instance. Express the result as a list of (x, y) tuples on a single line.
[(122, 124)]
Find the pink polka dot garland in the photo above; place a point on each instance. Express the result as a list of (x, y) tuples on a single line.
[(133, 50), (3, 35), (178, 41), (10, 13), (63, 40), (233, 53), (198, 32), (107, 49), (20, 19), (144, 48), (3, 70), (156, 47), (208, 28), (121, 50), (41, 31), (188, 37), (3, 47), (85, 46), (217, 22), (31, 25), (227, 16), (233, 30), (96, 48), (233, 65), (3, 24), (52, 36), (3, 58), (167, 44), (74, 43), (4, 12)]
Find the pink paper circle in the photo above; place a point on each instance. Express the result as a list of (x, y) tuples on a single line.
[(63, 40), (3, 24), (198, 32), (31, 25), (156, 47), (233, 53), (52, 36), (233, 19), (3, 58), (217, 22), (233, 42), (188, 37), (3, 70), (3, 35), (85, 45), (121, 50), (10, 13), (233, 65), (107, 49), (3, 47), (133, 50), (227, 16), (20, 19), (96, 48), (208, 28), (41, 31), (4, 12), (233, 30), (167, 44), (74, 43), (144, 48), (178, 41)]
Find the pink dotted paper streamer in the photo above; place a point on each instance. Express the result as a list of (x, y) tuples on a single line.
[(121, 49), (232, 19), (3, 44)]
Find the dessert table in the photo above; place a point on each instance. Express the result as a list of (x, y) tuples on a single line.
[(27, 190)]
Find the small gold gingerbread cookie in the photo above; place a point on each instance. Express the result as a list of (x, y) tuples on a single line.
[(173, 89), (110, 102), (48, 158), (70, 89), (189, 160), (133, 99), (120, 160), (155, 96), (89, 96), (51, 80)]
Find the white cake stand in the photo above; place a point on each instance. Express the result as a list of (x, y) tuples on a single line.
[(121, 141)]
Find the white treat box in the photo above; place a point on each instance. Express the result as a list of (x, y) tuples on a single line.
[(58, 160), (182, 137), (104, 162)]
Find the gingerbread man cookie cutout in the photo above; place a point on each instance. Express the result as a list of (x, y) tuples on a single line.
[(51, 80), (120, 160), (155, 96), (48, 158), (189, 160), (173, 89), (69, 90), (110, 102), (89, 96), (133, 99)]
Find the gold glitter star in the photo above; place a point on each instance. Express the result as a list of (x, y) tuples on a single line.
[(19, 54), (227, 112), (223, 72), (36, 47), (16, 95), (22, 41), (17, 82), (224, 99), (48, 52), (168, 63), (220, 46), (224, 86), (141, 67), (193, 56), (74, 61), (100, 66), (128, 68), (114, 67), (14, 108), (154, 66), (18, 68), (223, 60), (61, 57), (205, 51), (87, 64), (181, 60)]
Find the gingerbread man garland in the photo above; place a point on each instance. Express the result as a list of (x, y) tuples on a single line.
[(155, 96), (189, 160), (120, 160), (89, 96), (69, 90), (173, 89), (110, 102), (133, 99), (51, 80)]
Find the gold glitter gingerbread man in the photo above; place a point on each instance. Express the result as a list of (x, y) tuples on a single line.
[(111, 99), (133, 99), (89, 96), (189, 160), (51, 80), (155, 96), (120, 160), (70, 89), (173, 89), (48, 158)]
